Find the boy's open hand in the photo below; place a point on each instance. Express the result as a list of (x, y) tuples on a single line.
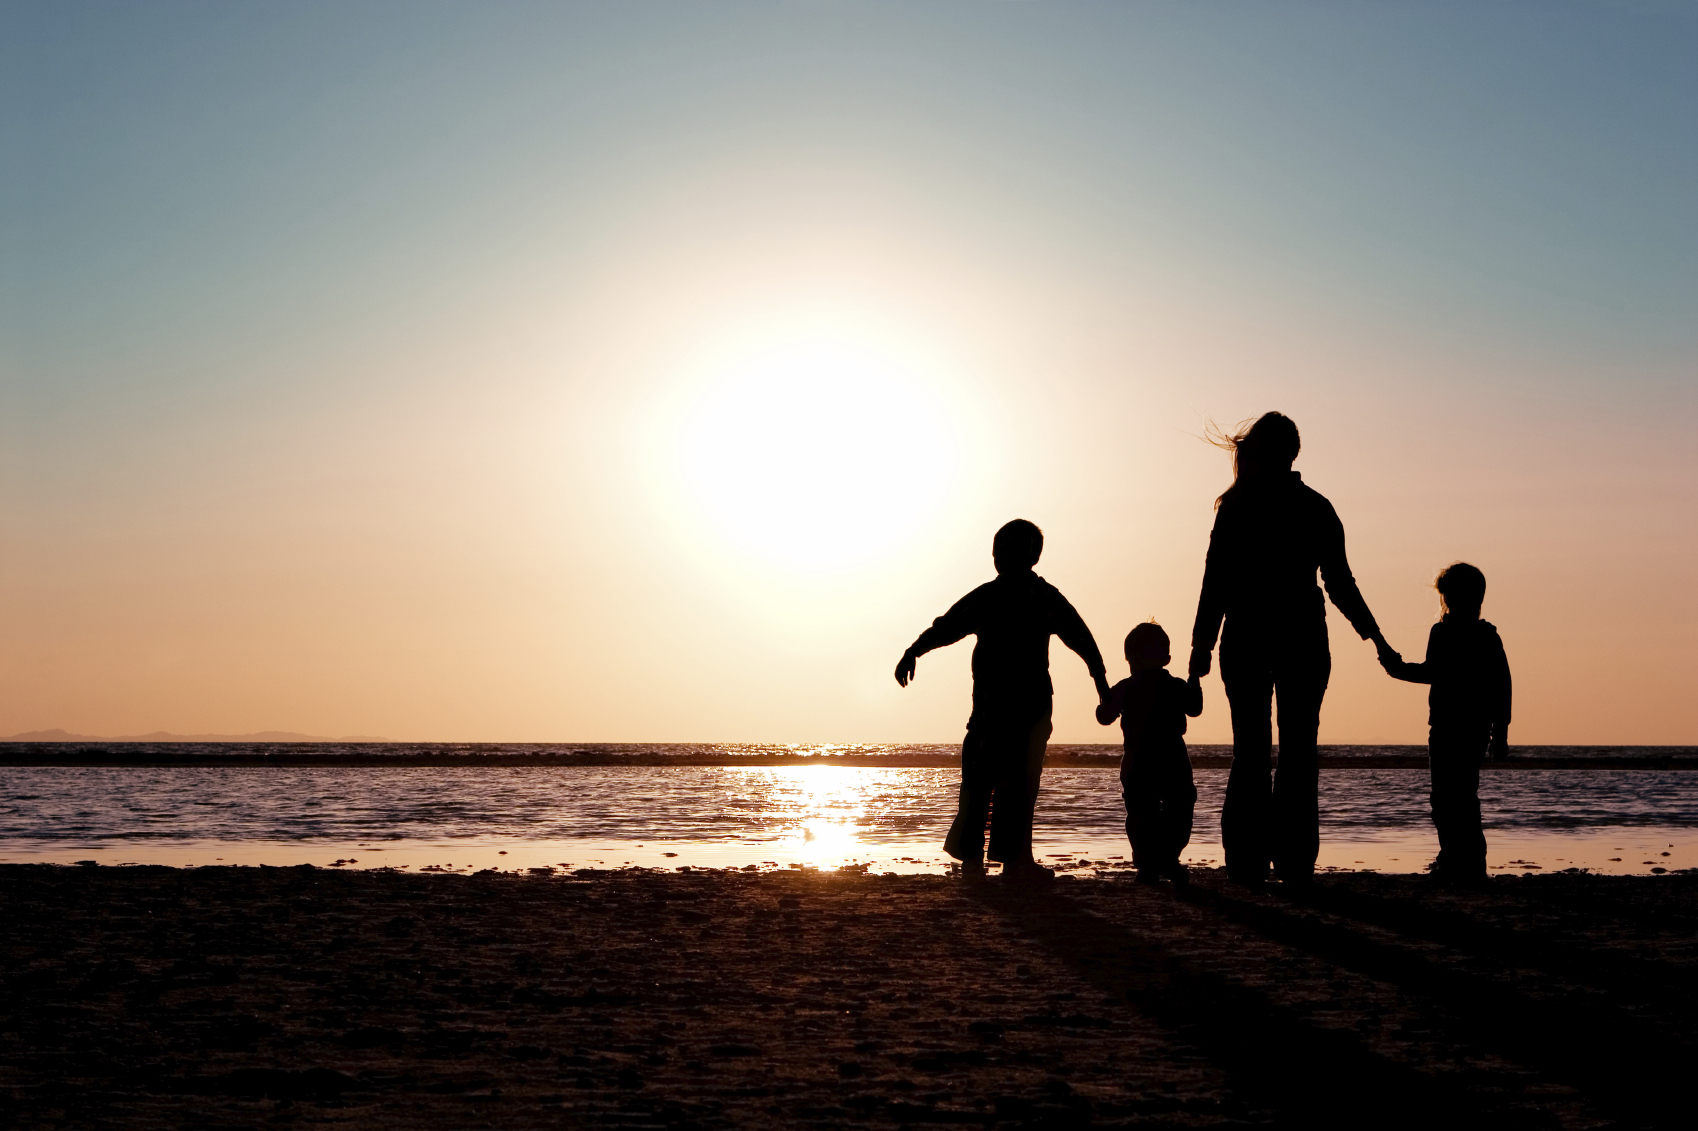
[(905, 669)]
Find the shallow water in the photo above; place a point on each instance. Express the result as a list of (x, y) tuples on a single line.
[(893, 819)]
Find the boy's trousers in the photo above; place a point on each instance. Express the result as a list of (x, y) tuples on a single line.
[(1160, 804), (1454, 754), (1276, 821), (1002, 761)]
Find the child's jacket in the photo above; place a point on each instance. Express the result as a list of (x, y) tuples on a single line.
[(1469, 673), (1013, 617), (1152, 706)]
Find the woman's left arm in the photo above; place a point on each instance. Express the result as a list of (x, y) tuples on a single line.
[(1336, 575)]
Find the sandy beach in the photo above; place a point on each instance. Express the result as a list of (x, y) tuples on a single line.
[(225, 997)]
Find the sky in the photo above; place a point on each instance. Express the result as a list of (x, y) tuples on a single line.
[(656, 371)]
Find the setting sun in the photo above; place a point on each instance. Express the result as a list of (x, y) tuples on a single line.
[(818, 451)]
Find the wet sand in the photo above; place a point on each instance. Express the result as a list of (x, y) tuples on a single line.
[(226, 997)]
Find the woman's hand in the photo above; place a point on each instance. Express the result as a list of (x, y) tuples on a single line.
[(905, 668)]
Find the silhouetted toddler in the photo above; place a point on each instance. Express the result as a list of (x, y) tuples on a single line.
[(1155, 771), (1468, 716)]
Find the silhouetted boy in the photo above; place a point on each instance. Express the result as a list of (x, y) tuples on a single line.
[(1002, 757), (1467, 716), (1155, 771)]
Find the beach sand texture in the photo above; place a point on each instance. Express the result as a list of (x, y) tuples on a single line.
[(224, 997)]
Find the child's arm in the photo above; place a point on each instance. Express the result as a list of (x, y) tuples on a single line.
[(958, 622), (1193, 697), (1071, 628), (1499, 748)]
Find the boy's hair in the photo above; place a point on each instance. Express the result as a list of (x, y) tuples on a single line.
[(1461, 585), (1148, 639), (1018, 543)]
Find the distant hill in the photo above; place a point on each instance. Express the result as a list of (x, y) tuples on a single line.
[(167, 736)]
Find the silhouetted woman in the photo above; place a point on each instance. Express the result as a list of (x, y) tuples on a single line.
[(1271, 534)]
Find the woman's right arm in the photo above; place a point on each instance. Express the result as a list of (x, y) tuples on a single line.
[(1414, 673), (1211, 602), (1109, 709)]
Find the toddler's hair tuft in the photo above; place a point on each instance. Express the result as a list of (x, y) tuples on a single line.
[(1148, 639)]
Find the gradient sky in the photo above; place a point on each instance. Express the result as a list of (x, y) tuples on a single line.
[(655, 371)]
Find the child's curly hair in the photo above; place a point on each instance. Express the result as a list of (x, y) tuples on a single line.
[(1461, 585)]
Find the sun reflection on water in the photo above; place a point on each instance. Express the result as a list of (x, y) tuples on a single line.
[(821, 810), (753, 817)]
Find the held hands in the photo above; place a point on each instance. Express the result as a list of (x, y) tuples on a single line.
[(1106, 711), (905, 668), (1389, 657), (1202, 659)]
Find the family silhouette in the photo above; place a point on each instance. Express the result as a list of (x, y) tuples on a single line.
[(1273, 535)]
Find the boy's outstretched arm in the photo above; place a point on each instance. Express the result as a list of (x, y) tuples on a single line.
[(957, 623)]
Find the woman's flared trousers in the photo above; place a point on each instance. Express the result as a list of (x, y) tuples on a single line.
[(1273, 816)]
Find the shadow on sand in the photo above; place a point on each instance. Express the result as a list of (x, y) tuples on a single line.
[(1508, 1018)]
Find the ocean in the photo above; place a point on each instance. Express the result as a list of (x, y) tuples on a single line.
[(467, 807)]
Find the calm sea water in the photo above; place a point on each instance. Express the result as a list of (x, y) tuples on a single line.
[(468, 817), (616, 752)]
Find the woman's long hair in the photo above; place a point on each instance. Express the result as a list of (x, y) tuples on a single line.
[(1269, 443)]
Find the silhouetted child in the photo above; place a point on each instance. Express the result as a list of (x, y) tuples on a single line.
[(1155, 771), (1002, 757), (1467, 716)]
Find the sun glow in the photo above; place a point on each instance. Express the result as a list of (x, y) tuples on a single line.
[(820, 451)]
